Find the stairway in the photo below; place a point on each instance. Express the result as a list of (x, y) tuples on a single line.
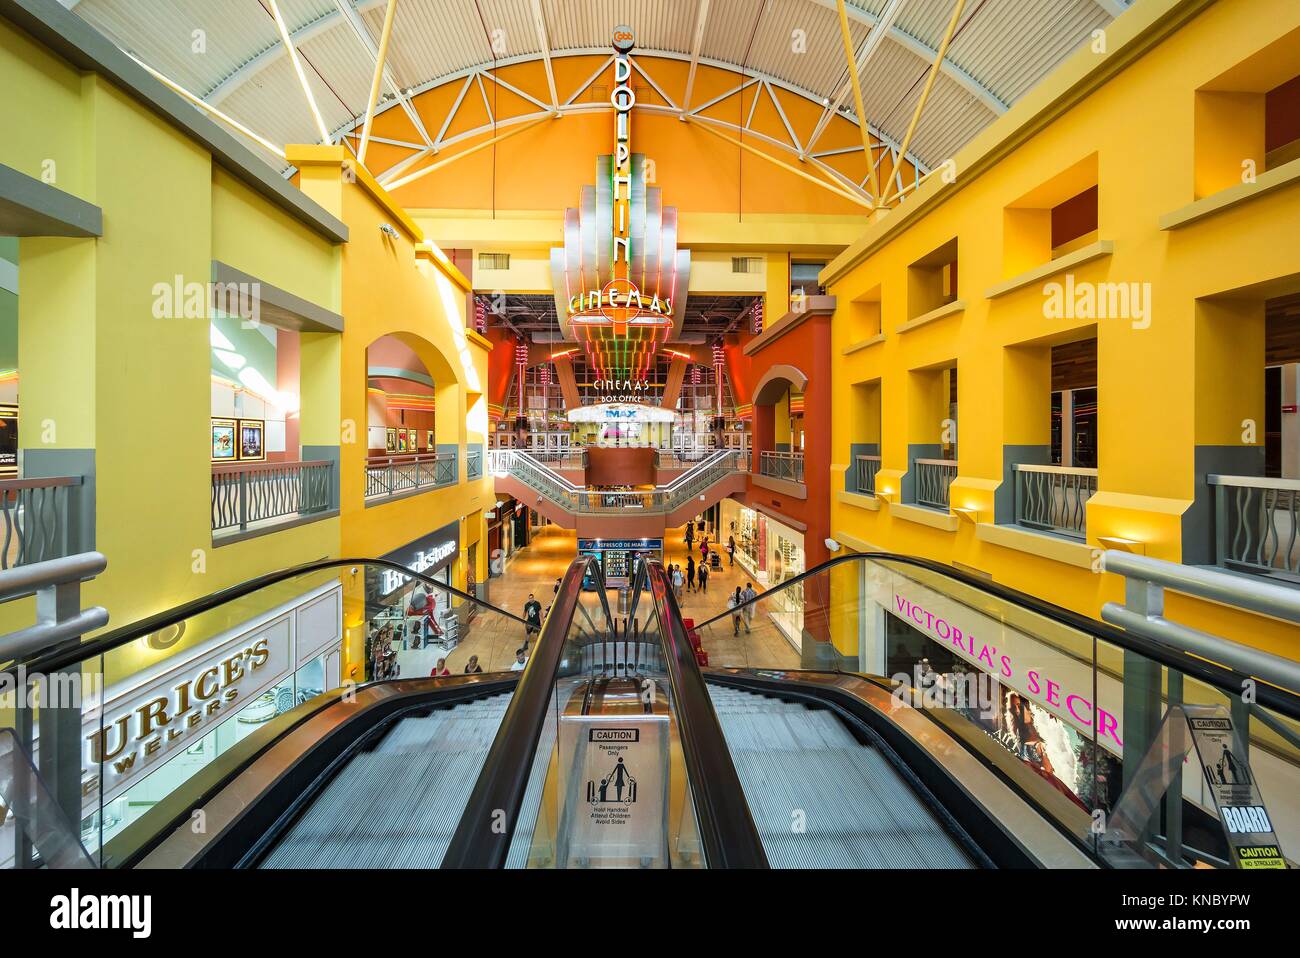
[(801, 767), (397, 805)]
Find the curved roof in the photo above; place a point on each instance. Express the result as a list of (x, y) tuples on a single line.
[(230, 54)]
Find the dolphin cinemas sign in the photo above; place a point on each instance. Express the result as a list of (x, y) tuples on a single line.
[(620, 279)]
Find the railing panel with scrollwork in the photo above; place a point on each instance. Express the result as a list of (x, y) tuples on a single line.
[(34, 513), (1054, 498), (864, 474), (256, 493), (474, 464), (933, 477), (1257, 524)]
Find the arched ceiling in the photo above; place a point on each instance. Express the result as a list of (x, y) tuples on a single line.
[(230, 53)]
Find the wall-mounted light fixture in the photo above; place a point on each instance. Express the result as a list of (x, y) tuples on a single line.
[(388, 230), (968, 513), (1119, 543)]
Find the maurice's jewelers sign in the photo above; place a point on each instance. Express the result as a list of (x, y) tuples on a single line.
[(149, 718)]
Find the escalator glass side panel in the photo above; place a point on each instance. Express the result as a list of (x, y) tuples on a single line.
[(608, 786), (1063, 707), (155, 709)]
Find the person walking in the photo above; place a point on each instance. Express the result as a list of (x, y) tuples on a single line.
[(748, 595), (677, 581), (703, 576), (690, 573), (731, 549), (472, 667), (690, 536), (704, 550), (533, 618), (733, 603)]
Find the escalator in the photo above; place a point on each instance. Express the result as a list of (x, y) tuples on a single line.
[(856, 807), (430, 760), (850, 737)]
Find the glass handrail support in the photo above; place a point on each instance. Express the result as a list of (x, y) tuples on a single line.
[(614, 758), (151, 709), (1075, 703)]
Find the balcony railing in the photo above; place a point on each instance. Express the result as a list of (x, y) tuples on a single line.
[(1257, 524), (781, 465), (35, 516), (933, 477), (574, 498), (474, 463), (1054, 498), (389, 476), (251, 494), (864, 474)]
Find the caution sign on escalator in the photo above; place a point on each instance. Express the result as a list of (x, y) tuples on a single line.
[(615, 791), (1246, 823)]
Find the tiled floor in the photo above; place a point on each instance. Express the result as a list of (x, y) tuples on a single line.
[(536, 568)]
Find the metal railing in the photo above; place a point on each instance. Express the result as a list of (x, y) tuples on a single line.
[(474, 463), (35, 517), (864, 474), (1142, 613), (388, 476), (933, 477), (781, 465), (1054, 498), (249, 493), (578, 499), (1257, 524), (47, 706)]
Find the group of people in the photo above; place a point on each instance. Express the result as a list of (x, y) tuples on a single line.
[(695, 576), (691, 528)]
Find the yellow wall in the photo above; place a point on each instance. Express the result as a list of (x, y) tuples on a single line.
[(396, 287), (1187, 378), (102, 376)]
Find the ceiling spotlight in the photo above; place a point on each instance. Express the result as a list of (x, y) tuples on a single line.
[(826, 101)]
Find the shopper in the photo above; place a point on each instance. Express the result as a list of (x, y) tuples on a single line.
[(704, 549), (748, 595), (733, 603), (703, 576), (677, 581), (440, 669), (690, 572), (533, 618), (521, 659), (690, 536), (556, 590), (472, 667), (731, 549)]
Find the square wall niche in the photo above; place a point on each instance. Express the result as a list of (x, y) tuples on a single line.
[(864, 315), (1055, 218), (932, 280), (1247, 119)]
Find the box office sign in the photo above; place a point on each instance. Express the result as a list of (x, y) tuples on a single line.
[(614, 785), (157, 714)]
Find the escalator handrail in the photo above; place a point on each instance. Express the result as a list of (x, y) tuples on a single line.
[(727, 831), (479, 840), (51, 661), (1225, 679)]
